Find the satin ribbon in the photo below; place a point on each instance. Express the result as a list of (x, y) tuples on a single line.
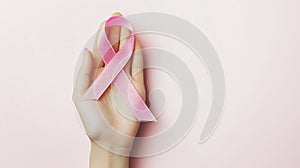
[(114, 73)]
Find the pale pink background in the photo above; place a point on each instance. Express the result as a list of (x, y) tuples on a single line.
[(258, 45)]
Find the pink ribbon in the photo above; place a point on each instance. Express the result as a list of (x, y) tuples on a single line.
[(114, 73)]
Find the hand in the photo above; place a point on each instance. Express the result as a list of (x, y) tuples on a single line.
[(102, 115)]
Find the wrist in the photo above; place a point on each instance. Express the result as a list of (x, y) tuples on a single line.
[(103, 158)]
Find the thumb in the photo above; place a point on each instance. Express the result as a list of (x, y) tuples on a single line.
[(84, 75)]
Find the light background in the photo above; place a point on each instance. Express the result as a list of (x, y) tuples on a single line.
[(257, 42)]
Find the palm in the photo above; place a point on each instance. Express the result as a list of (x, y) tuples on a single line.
[(117, 119)]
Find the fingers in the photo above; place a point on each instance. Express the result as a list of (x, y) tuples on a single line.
[(114, 34), (84, 75), (137, 63), (98, 62), (123, 39), (114, 38)]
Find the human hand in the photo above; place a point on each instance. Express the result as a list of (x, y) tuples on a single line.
[(105, 122)]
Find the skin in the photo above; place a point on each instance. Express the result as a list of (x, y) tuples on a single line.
[(100, 157)]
